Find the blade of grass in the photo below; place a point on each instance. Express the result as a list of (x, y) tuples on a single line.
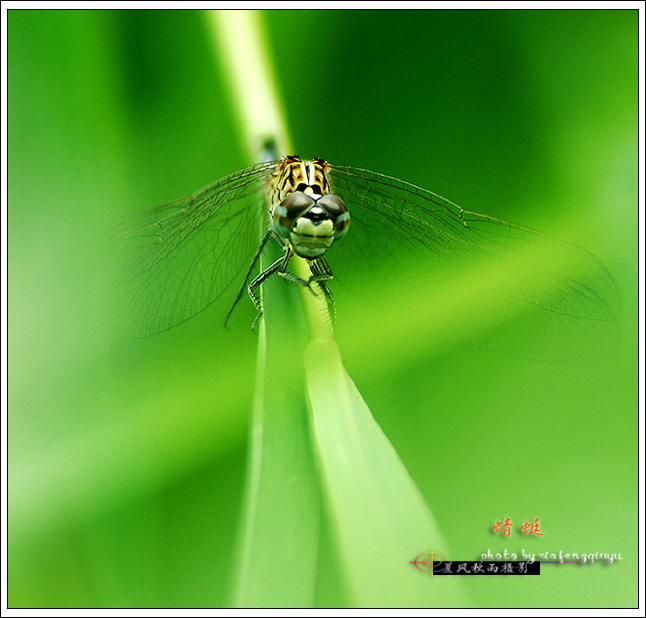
[(280, 534), (279, 537), (381, 520), (240, 40)]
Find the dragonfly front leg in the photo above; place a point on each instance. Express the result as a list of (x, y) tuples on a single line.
[(321, 274), (278, 266), (269, 234)]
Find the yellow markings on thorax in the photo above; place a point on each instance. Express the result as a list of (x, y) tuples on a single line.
[(295, 173)]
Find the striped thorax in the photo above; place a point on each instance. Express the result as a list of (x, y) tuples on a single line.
[(302, 209)]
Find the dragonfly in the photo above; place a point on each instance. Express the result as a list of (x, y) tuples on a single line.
[(188, 253)]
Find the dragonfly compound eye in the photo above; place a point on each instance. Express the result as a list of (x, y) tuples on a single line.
[(338, 212), (289, 210)]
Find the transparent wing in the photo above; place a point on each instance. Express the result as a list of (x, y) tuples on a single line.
[(392, 214), (183, 255)]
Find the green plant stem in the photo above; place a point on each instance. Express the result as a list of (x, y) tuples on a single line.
[(377, 514), (280, 532), (240, 40)]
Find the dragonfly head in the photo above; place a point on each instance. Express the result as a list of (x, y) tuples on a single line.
[(310, 222)]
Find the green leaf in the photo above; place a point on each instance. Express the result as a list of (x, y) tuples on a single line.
[(381, 520), (281, 529)]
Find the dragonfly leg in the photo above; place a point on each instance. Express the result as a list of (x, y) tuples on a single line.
[(321, 274), (268, 234), (278, 266)]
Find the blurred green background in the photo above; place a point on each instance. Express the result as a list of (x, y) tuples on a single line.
[(127, 458)]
